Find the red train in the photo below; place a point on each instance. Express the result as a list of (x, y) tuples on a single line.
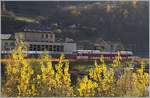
[(95, 54)]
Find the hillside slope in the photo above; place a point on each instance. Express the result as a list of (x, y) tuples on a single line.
[(126, 22)]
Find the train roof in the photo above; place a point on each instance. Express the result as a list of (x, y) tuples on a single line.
[(104, 52)]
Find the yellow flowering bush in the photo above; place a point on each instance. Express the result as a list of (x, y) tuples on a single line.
[(133, 83), (117, 60), (62, 78), (86, 87), (54, 81), (18, 74), (45, 78), (104, 77), (129, 83)]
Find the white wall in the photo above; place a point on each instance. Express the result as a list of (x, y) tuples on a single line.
[(69, 47)]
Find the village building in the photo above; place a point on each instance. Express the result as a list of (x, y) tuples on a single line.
[(37, 39)]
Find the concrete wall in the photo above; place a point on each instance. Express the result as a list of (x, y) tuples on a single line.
[(70, 47)]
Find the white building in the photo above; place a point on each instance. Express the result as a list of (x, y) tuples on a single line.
[(38, 40)]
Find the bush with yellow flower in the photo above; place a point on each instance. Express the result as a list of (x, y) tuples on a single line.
[(44, 78)]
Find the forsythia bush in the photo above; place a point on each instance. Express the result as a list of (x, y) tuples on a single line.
[(18, 74), (54, 82), (109, 82), (23, 79), (86, 87), (133, 83), (104, 78)]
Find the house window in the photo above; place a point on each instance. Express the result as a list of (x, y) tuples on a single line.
[(51, 36), (34, 48), (62, 48), (46, 35), (54, 48), (43, 48), (57, 48), (12, 44), (42, 35), (6, 44), (38, 48), (6, 48), (50, 48), (31, 47), (46, 47)]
